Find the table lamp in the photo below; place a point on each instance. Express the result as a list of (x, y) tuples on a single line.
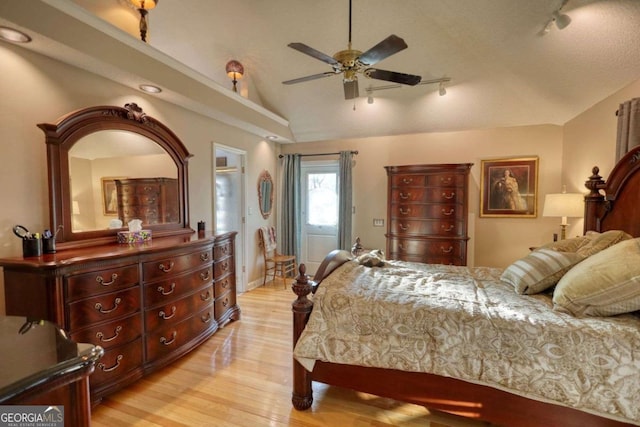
[(564, 205)]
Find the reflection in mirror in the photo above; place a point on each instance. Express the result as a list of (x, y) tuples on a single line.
[(265, 193), (117, 175)]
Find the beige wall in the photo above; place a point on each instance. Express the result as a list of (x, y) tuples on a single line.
[(36, 89)]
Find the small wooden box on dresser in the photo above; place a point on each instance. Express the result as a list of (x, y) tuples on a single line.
[(146, 305), (427, 208)]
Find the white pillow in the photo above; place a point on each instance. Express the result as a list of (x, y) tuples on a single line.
[(604, 284)]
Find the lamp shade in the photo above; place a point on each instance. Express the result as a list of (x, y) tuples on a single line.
[(234, 69), (144, 4), (564, 205)]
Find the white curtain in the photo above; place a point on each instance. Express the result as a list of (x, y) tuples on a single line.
[(290, 231), (628, 127), (345, 203)]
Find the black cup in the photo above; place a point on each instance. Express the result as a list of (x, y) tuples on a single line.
[(31, 247), (49, 245)]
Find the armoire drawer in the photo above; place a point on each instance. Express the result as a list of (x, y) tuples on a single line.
[(435, 247), (426, 195), (433, 227), (431, 211)]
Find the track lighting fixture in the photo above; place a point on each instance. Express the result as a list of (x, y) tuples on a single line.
[(561, 20), (369, 96), (442, 91)]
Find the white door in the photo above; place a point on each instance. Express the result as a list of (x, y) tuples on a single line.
[(229, 202), (319, 212)]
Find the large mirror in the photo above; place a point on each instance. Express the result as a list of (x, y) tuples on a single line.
[(109, 165), (265, 193)]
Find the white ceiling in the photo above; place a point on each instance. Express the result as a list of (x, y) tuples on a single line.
[(502, 71)]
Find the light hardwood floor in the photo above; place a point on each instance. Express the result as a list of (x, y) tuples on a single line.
[(242, 377)]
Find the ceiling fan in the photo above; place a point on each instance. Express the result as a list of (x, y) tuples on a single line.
[(352, 62)]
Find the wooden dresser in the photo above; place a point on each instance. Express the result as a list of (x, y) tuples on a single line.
[(152, 200), (146, 305), (427, 211)]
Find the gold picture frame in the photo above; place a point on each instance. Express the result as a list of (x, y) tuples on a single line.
[(109, 195), (509, 187)]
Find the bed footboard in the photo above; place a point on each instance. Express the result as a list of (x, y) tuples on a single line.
[(302, 396)]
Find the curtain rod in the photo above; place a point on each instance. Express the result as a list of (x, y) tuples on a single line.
[(320, 154)]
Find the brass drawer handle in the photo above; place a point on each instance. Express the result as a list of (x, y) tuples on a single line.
[(204, 256), (205, 297), (98, 306), (165, 268), (401, 246), (101, 337), (447, 250), (103, 367), (166, 341), (407, 180), (207, 318), (403, 227), (164, 316), (446, 180), (225, 284), (404, 196), (404, 211), (224, 249), (449, 196), (449, 228), (225, 266), (225, 303), (449, 212), (169, 292), (100, 280), (205, 275)]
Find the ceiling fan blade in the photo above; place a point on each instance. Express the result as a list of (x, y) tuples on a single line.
[(307, 50), (392, 76), (351, 89), (307, 78), (387, 47)]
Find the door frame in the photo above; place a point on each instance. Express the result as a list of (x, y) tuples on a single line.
[(241, 246)]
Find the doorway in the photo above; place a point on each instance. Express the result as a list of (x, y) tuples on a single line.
[(319, 212), (229, 202)]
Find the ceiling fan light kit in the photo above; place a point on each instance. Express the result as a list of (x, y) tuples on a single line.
[(351, 62)]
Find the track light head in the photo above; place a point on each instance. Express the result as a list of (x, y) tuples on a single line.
[(442, 91), (370, 99), (561, 20)]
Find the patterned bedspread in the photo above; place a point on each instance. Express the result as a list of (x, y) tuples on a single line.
[(465, 323)]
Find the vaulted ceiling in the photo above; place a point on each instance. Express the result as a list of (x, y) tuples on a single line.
[(503, 70)]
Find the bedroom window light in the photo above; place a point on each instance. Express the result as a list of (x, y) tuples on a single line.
[(322, 199)]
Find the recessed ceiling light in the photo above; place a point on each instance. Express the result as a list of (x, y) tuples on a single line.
[(150, 88), (15, 36), (271, 137)]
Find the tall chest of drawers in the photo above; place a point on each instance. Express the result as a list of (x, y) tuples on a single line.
[(427, 208), (152, 200), (146, 305)]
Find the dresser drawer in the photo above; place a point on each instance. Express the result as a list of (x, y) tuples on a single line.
[(169, 267), (142, 189), (111, 334), (224, 304), (408, 180), (223, 267), (140, 200), (428, 211), (432, 227), (148, 214), (116, 362), (226, 284), (223, 250), (430, 259), (431, 248), (170, 289), (446, 180), (103, 307), (165, 340), (101, 281), (426, 195), (176, 311)]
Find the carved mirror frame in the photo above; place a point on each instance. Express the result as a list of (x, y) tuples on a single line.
[(60, 138), (265, 194)]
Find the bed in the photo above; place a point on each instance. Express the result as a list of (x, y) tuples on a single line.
[(528, 377)]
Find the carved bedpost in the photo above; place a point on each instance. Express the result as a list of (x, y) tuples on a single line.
[(594, 201), (302, 396)]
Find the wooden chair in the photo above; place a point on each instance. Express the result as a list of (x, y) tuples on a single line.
[(275, 264)]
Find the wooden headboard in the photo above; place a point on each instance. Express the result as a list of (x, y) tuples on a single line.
[(614, 204)]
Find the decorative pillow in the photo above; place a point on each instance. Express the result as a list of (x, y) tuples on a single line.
[(604, 284), (567, 245), (374, 258), (539, 270), (600, 241)]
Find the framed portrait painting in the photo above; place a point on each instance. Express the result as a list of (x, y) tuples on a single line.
[(509, 187), (109, 196)]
